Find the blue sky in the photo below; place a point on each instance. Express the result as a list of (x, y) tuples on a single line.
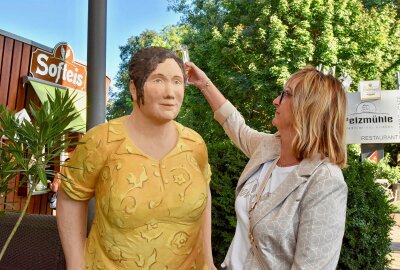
[(50, 21)]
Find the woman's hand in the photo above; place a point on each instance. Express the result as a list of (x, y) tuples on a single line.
[(55, 184), (196, 76)]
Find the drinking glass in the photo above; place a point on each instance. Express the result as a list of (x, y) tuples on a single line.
[(183, 53)]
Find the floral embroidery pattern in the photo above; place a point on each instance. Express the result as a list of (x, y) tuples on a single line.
[(138, 183), (154, 204), (179, 179), (118, 166), (105, 173), (149, 212), (89, 167), (149, 236), (129, 205), (141, 262), (180, 239)]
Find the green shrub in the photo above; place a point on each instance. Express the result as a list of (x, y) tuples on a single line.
[(396, 206), (366, 241), (227, 164), (384, 170)]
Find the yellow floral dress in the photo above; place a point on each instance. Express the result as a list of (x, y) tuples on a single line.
[(148, 212)]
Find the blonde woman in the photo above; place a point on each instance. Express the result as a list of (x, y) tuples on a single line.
[(291, 197)]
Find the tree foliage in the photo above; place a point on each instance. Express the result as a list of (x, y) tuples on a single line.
[(250, 47), (381, 3), (366, 242)]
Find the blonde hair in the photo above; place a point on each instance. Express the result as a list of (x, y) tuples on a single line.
[(319, 108)]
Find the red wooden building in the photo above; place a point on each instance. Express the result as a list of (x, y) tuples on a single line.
[(27, 70)]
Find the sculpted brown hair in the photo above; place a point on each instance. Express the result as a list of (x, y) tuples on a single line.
[(144, 62), (319, 108)]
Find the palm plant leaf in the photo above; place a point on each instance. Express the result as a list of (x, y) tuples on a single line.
[(31, 146)]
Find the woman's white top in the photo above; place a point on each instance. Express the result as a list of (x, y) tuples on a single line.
[(241, 243)]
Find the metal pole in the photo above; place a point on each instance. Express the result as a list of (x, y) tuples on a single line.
[(96, 77), (398, 80), (96, 57)]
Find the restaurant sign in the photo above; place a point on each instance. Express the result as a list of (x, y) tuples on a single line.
[(58, 67), (373, 121)]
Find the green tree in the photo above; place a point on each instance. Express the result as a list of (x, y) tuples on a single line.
[(366, 242), (381, 3), (121, 102), (250, 47)]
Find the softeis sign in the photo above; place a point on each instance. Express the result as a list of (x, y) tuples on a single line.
[(58, 67)]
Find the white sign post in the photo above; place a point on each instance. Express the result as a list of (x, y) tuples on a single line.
[(370, 90), (373, 121)]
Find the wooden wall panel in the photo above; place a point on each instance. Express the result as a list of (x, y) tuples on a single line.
[(36, 203), (15, 56), (2, 200), (24, 71), (17, 199), (12, 199), (31, 205), (10, 196), (14, 65), (14, 77), (43, 204), (6, 70), (23, 202), (1, 50)]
